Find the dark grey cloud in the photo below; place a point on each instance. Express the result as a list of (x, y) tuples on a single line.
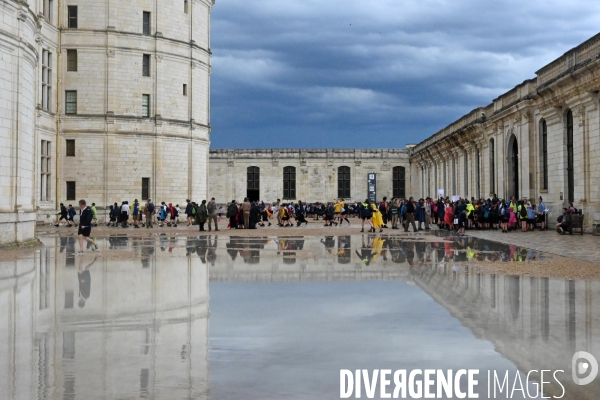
[(381, 73)]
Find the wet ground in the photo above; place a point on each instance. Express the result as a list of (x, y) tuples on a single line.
[(180, 316)]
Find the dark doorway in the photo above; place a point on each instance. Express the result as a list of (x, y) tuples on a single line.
[(570, 170), (253, 184), (513, 167)]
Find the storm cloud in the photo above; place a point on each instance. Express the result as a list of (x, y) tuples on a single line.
[(372, 74)]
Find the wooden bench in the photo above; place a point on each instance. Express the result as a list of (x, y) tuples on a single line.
[(576, 222)]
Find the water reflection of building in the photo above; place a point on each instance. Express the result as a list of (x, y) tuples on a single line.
[(537, 323), (112, 328), (293, 258)]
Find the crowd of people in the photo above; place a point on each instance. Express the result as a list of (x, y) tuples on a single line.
[(457, 214)]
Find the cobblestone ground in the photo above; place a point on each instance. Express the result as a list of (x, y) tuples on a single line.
[(582, 247)]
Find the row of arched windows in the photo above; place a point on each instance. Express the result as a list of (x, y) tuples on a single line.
[(344, 175)]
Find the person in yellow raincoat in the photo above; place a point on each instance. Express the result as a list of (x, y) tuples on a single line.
[(377, 218), (377, 247)]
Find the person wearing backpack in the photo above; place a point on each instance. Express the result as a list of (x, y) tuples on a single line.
[(522, 212), (232, 212), (173, 215), (366, 213), (149, 211), (202, 215), (211, 208)]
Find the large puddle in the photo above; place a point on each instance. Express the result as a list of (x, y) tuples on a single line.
[(175, 317)]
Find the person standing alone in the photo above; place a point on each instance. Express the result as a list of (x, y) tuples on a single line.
[(211, 208), (246, 207)]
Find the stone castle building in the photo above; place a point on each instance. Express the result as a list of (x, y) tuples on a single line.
[(542, 138), (309, 175), (101, 99)]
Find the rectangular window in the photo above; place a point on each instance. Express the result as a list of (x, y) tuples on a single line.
[(71, 102), (146, 23), (145, 188), (48, 4), (70, 190), (72, 60), (45, 169), (146, 105), (344, 182), (185, 6), (146, 65), (46, 80), (70, 147), (72, 10), (184, 89), (289, 183)]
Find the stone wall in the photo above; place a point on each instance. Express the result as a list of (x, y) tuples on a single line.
[(115, 144), (316, 172), (18, 60), (480, 144)]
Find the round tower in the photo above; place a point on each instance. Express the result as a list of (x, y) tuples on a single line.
[(134, 84)]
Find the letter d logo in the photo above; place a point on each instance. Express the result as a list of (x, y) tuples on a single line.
[(583, 363)]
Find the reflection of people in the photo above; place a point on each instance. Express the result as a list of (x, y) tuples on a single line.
[(85, 281)]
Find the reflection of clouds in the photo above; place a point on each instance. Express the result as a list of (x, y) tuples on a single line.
[(307, 332)]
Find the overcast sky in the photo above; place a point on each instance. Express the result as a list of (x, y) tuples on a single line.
[(377, 73)]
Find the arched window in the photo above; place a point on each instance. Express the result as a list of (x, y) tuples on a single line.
[(445, 179), (570, 158), (399, 182), (289, 183), (253, 183), (477, 175), (492, 167), (466, 172), (544, 153), (453, 176), (344, 182)]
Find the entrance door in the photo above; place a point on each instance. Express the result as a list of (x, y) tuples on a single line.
[(253, 184), (513, 167)]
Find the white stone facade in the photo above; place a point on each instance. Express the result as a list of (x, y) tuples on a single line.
[(475, 156), (116, 143), (317, 173)]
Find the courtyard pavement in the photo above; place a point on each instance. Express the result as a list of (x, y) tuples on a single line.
[(582, 247)]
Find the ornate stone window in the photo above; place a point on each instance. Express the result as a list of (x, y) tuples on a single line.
[(289, 183), (399, 182), (344, 182)]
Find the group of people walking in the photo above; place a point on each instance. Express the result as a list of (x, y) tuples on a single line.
[(457, 214)]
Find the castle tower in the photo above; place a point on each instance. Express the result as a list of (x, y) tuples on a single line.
[(102, 100)]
